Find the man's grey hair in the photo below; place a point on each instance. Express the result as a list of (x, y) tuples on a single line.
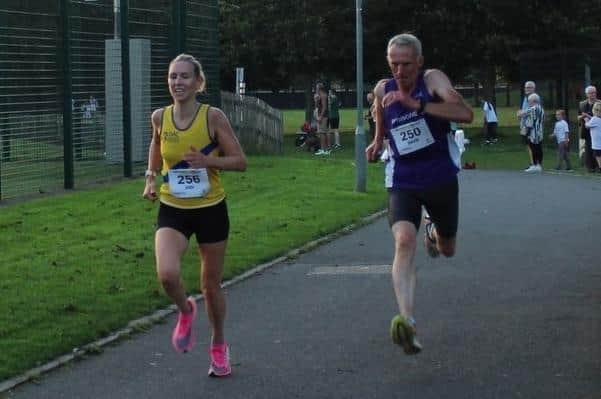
[(590, 88), (530, 83), (534, 98), (406, 39)]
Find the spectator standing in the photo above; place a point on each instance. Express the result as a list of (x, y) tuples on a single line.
[(490, 121), (585, 111), (334, 117), (322, 120), (562, 135), (534, 117), (93, 104), (529, 88), (594, 124)]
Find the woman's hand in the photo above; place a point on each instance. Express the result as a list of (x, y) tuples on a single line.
[(196, 159), (150, 192)]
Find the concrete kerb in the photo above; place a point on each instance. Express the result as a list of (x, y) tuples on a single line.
[(142, 324)]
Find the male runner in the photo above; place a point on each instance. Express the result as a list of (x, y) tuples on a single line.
[(413, 110)]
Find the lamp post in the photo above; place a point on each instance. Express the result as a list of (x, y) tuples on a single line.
[(117, 19), (360, 160)]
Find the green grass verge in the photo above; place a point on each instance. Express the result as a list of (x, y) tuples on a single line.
[(79, 265), (509, 153)]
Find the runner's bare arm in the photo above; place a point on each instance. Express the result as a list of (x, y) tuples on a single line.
[(232, 156), (379, 110), (453, 107), (154, 155), (154, 150), (372, 152)]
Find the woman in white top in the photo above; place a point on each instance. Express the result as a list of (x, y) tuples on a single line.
[(594, 124)]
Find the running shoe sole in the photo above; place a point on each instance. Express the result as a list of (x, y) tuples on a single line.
[(186, 343), (217, 371), (403, 334), (429, 241)]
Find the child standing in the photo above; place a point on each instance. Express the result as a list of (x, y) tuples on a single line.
[(594, 124), (490, 121), (562, 134)]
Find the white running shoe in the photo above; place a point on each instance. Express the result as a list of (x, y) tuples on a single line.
[(531, 168)]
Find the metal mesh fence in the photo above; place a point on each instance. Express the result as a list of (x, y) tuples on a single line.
[(31, 148), (38, 45), (91, 27), (202, 38)]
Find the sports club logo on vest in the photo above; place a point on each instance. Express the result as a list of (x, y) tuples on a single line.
[(419, 95), (403, 118), (171, 136)]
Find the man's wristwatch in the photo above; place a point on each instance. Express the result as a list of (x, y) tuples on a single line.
[(422, 106), (149, 173)]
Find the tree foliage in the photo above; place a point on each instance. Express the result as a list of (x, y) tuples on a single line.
[(285, 43)]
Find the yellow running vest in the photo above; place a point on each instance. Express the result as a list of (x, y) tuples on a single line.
[(174, 144)]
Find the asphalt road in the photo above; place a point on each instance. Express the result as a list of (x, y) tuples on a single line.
[(515, 314)]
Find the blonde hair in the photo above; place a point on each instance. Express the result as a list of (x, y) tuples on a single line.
[(406, 39), (597, 107), (198, 72)]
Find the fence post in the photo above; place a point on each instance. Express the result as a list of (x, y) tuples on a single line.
[(65, 11), (125, 79), (1, 153), (179, 26)]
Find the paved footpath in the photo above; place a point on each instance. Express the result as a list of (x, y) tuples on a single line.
[(515, 314)]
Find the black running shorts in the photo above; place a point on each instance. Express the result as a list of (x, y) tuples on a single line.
[(441, 202), (210, 224), (334, 123)]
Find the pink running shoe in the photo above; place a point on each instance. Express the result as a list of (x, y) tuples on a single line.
[(183, 337), (220, 361)]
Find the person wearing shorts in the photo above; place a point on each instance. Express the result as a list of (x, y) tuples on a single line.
[(191, 143), (413, 111), (334, 117), (322, 120)]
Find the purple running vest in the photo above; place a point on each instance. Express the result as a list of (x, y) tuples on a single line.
[(430, 166)]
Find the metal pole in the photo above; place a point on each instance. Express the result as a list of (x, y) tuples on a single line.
[(127, 156), (360, 160), (67, 96), (117, 19)]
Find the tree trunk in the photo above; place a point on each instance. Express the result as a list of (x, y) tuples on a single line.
[(489, 82)]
